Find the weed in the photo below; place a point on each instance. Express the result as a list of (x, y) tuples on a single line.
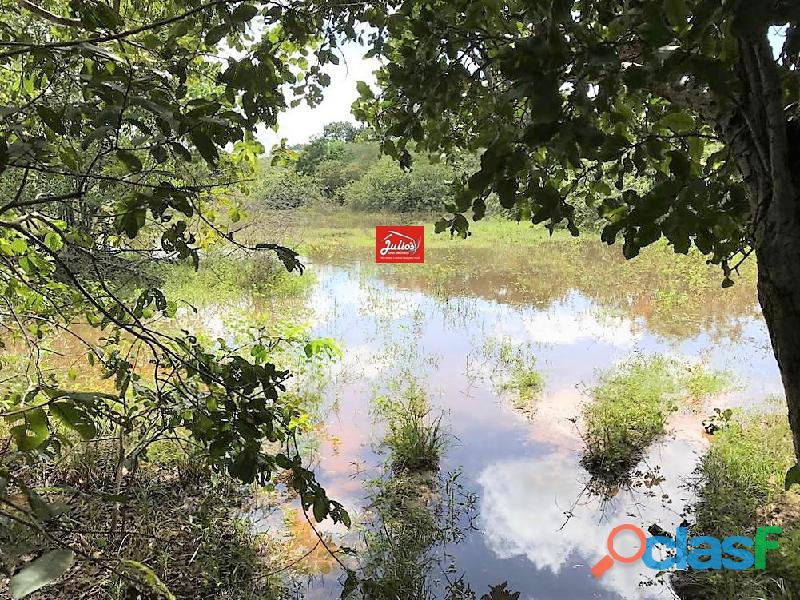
[(514, 373), (741, 488), (630, 407), (414, 437)]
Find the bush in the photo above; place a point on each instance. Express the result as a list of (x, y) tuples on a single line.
[(386, 187), (631, 405), (281, 188)]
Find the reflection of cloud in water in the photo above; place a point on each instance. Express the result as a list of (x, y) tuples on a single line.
[(561, 325), (524, 503)]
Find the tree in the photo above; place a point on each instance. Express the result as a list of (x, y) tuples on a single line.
[(340, 130), (700, 98), (116, 117)]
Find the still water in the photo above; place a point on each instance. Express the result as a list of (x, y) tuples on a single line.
[(526, 510)]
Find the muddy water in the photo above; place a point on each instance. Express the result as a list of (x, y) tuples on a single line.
[(538, 523)]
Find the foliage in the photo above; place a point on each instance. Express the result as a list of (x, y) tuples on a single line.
[(281, 188), (180, 532), (125, 126), (741, 488), (565, 98), (629, 410), (387, 187), (413, 437)]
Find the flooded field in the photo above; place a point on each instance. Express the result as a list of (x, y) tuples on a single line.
[(509, 502)]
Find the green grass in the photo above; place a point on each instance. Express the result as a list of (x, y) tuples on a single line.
[(526, 382), (630, 407), (741, 488), (414, 437), (517, 369), (229, 278)]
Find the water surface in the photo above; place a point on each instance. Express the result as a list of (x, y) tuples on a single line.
[(537, 521)]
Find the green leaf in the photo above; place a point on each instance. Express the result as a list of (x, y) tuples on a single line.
[(678, 122), (215, 35), (364, 90), (244, 13), (41, 572), (677, 12), (320, 507), (159, 153), (130, 160), (792, 477), (205, 146), (51, 118), (75, 418), (148, 577), (32, 432), (53, 241)]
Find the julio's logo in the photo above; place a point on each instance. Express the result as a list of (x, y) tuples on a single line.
[(400, 244), (735, 552)]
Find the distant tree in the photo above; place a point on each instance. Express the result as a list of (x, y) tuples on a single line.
[(344, 131), (282, 188), (701, 98), (385, 186)]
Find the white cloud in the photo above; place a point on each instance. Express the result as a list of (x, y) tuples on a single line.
[(561, 325), (301, 123), (523, 505)]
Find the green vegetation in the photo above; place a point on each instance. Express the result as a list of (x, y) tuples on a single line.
[(742, 488), (414, 437), (175, 519), (514, 373), (226, 277), (674, 296), (630, 407)]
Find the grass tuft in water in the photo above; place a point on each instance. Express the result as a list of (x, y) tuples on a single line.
[(630, 407), (518, 374), (741, 488), (414, 436)]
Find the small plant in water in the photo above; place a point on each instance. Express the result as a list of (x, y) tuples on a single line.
[(414, 436), (517, 372), (630, 407)]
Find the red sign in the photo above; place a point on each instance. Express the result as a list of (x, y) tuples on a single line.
[(400, 244)]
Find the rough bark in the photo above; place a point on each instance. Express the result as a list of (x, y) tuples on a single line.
[(758, 133)]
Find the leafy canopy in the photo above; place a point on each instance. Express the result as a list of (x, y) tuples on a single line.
[(576, 98), (123, 125)]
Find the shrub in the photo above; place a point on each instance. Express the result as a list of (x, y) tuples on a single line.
[(741, 480), (281, 188), (631, 405), (386, 187)]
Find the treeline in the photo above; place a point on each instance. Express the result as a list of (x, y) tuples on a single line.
[(343, 167)]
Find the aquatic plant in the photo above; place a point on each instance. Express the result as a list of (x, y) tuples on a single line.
[(630, 407), (415, 437), (514, 373)]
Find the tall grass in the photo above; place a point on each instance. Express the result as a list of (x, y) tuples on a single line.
[(630, 407), (741, 488), (414, 436)]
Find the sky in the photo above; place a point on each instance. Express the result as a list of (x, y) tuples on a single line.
[(298, 125)]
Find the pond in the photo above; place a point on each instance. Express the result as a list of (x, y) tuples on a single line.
[(512, 502)]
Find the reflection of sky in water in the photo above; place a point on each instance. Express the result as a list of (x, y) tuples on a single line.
[(526, 473)]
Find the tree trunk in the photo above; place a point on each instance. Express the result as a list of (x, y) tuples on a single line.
[(779, 295), (769, 170)]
